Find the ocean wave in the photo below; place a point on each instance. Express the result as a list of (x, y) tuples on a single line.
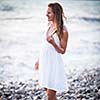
[(16, 18), (6, 7), (89, 19)]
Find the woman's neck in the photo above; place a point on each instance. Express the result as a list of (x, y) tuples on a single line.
[(53, 24)]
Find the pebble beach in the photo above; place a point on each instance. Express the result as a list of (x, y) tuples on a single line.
[(84, 87)]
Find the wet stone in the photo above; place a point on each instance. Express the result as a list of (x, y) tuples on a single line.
[(84, 87)]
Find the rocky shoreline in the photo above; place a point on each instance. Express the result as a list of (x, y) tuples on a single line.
[(85, 87)]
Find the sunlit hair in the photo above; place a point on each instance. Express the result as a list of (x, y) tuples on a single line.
[(58, 11)]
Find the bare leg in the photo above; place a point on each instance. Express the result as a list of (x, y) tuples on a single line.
[(51, 94)]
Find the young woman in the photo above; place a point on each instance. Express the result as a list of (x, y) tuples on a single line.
[(51, 67)]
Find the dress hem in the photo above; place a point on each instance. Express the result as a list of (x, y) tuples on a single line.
[(55, 89)]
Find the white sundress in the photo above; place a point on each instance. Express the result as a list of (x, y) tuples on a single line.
[(51, 67)]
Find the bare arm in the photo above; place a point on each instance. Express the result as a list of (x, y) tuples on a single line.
[(63, 42), (36, 66)]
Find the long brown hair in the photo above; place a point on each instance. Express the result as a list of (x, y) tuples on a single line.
[(58, 11)]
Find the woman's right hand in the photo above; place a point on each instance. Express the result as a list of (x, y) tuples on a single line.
[(36, 66)]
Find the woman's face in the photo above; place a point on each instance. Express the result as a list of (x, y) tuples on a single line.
[(50, 14)]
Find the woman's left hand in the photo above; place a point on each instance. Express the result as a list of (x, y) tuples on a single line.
[(50, 39)]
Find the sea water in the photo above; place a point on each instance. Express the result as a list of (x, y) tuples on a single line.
[(22, 24)]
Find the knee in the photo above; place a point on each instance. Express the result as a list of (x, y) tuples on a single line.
[(51, 96)]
